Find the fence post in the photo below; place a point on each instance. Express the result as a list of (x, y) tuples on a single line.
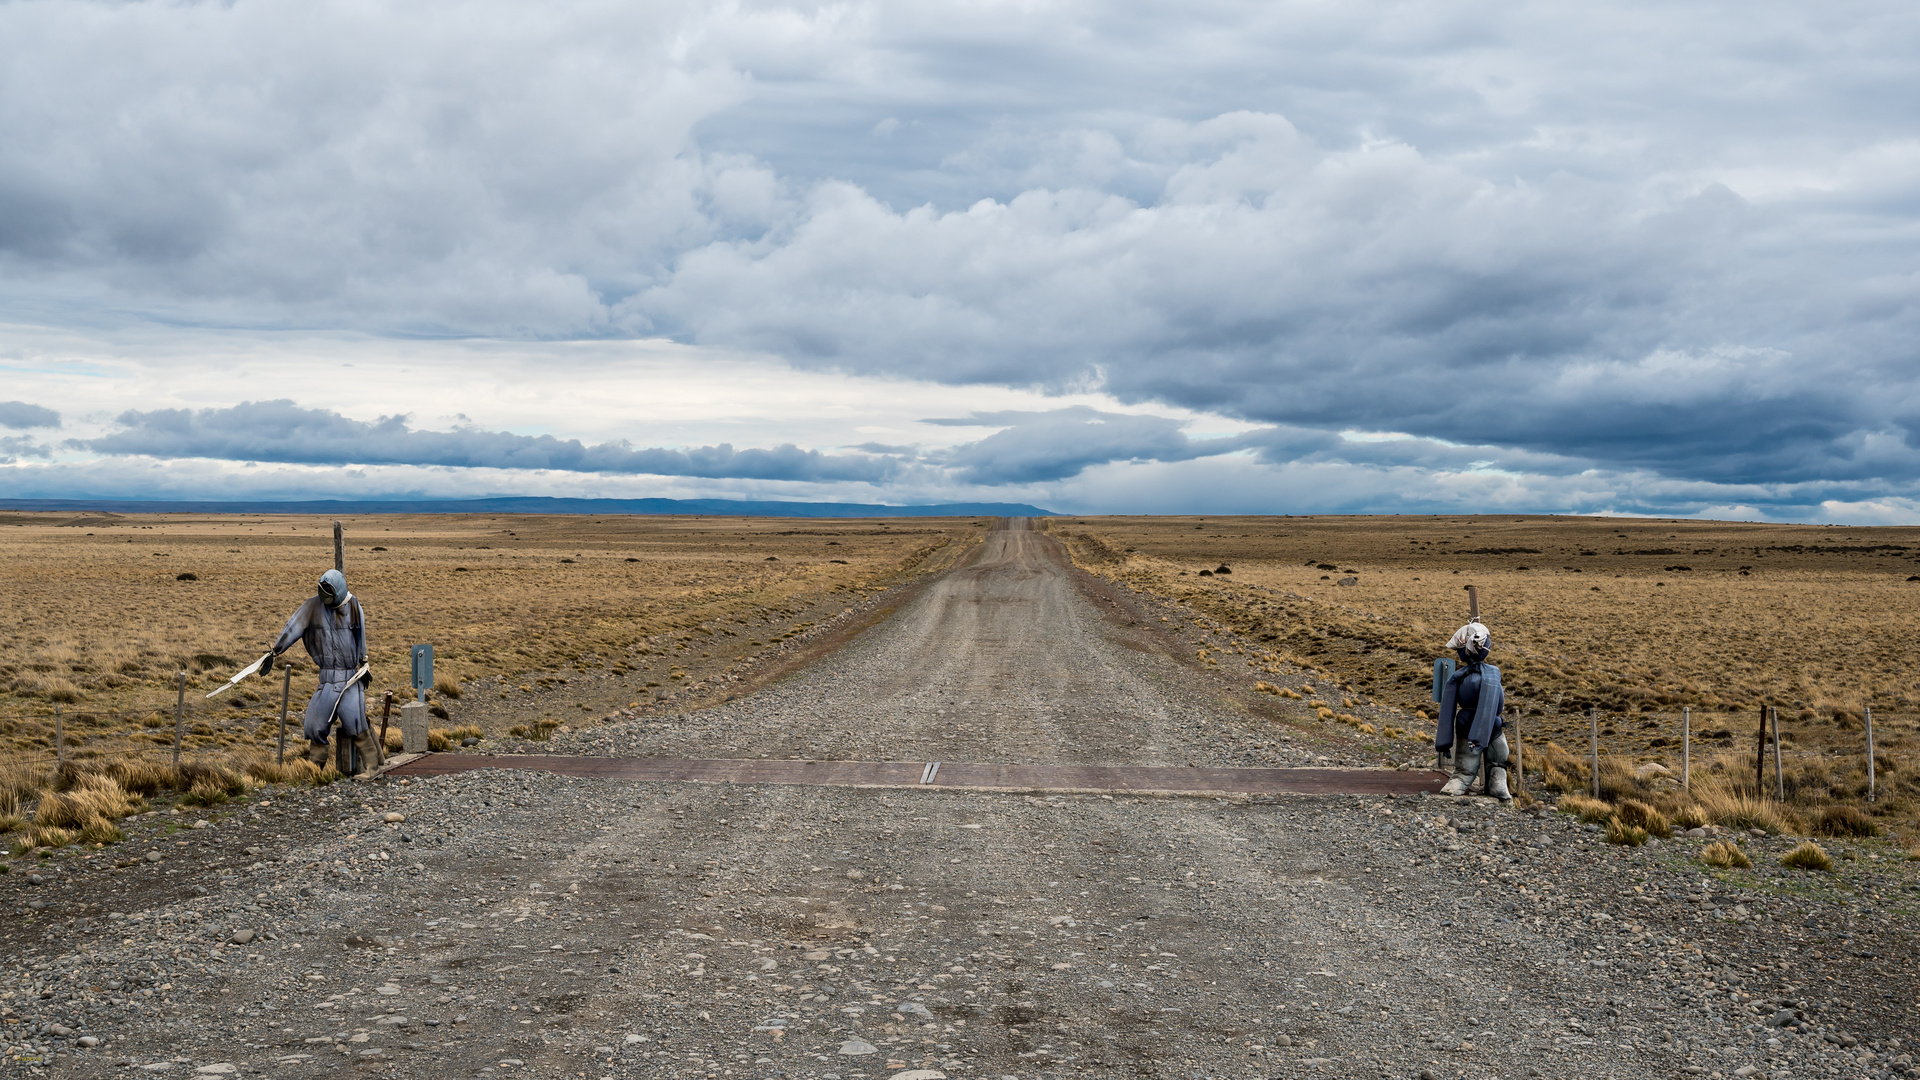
[(179, 717), (60, 740), (1779, 782), (1760, 757), (1519, 764), (286, 685), (1872, 792), (339, 548), (1686, 749), (1593, 745)]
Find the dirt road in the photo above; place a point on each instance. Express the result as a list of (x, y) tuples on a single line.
[(519, 923)]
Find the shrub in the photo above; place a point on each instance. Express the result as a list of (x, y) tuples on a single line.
[(1808, 856), (1639, 815), (1586, 808), (437, 740), (205, 792), (46, 836), (141, 777), (447, 688), (265, 770), (95, 799), (1619, 832), (1844, 821), (1725, 856), (1737, 811), (1690, 817), (208, 776)]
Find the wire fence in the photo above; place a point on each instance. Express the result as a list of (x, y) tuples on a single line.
[(1850, 756)]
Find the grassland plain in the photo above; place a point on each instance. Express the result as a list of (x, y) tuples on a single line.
[(1636, 618), (532, 618)]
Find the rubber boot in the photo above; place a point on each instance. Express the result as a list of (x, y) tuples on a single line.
[(1497, 783), (1497, 770), (317, 752), (372, 754), (1466, 769)]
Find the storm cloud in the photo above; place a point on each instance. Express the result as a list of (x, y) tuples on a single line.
[(281, 431)]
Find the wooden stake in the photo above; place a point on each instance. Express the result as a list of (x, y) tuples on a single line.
[(1593, 728), (339, 548), (1872, 792), (1519, 766), (386, 711), (1779, 782), (286, 687), (1686, 749), (179, 718), (1473, 602), (1760, 758)]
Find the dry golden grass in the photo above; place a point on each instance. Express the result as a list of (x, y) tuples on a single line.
[(1635, 618), (517, 608), (1808, 856), (1725, 855)]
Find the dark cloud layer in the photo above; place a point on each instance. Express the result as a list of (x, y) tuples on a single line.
[(281, 431), (20, 415)]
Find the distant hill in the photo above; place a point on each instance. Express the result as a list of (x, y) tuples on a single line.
[(529, 505)]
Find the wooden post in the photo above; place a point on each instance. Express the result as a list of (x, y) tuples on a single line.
[(1872, 792), (1686, 749), (339, 548), (1779, 782), (1593, 737), (286, 687), (60, 740), (179, 717), (1760, 758), (1519, 767), (1473, 602)]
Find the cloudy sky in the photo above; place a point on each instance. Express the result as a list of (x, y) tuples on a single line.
[(1268, 257)]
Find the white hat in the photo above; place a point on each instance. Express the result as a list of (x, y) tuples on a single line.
[(1473, 637)]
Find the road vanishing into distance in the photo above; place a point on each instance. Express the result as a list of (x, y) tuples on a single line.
[(502, 922)]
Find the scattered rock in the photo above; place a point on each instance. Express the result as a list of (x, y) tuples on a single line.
[(153, 856), (394, 819), (203, 823), (59, 1031), (855, 1048), (919, 1074), (243, 937), (218, 1068), (36, 879), (88, 1041)]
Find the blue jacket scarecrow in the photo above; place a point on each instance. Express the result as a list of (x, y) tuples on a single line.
[(333, 627), (1470, 724)]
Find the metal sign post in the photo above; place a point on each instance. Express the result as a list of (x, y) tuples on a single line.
[(422, 671)]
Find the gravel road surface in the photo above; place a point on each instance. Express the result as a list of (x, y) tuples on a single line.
[(509, 923)]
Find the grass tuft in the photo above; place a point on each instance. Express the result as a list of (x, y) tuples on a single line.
[(1639, 815), (1808, 856), (1619, 832), (1725, 855), (1691, 816), (1844, 821), (1586, 808)]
